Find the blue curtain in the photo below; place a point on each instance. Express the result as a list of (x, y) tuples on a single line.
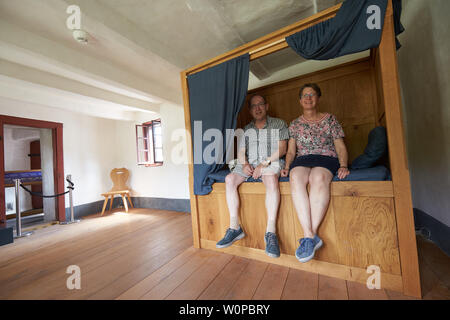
[(347, 32), (398, 27), (216, 96)]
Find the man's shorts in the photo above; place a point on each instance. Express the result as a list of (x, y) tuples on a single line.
[(273, 169)]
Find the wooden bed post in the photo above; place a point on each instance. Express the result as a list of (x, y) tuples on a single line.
[(193, 197), (398, 158)]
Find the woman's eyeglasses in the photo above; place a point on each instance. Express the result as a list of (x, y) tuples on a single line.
[(306, 95)]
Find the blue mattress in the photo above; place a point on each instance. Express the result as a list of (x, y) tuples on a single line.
[(378, 173), (30, 176)]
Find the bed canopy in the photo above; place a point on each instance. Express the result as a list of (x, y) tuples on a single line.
[(214, 93)]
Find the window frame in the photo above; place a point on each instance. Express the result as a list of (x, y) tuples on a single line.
[(149, 125)]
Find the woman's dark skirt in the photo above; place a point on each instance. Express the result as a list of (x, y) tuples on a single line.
[(315, 160)]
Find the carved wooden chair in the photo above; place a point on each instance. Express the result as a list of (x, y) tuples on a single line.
[(119, 178)]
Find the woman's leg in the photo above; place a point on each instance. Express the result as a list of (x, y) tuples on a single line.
[(319, 195), (232, 182), (299, 178), (272, 200)]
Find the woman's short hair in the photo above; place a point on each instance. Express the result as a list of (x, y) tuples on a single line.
[(314, 86)]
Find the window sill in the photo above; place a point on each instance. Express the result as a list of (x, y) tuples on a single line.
[(152, 165)]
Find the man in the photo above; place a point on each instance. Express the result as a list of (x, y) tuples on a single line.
[(259, 153)]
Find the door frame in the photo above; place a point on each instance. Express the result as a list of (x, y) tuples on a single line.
[(58, 160)]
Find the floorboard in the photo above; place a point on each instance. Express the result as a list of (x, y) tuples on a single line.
[(149, 254), (144, 286), (332, 288), (359, 291), (198, 281), (245, 286), (272, 284), (223, 283), (301, 285), (170, 283)]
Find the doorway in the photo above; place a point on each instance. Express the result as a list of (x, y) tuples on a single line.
[(44, 161)]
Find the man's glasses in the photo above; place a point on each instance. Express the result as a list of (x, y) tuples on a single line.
[(258, 105), (306, 95)]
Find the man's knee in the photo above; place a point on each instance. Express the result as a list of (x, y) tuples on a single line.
[(271, 182), (233, 180)]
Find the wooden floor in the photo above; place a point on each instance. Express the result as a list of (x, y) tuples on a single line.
[(148, 254)]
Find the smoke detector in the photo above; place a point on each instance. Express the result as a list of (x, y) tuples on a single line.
[(81, 36)]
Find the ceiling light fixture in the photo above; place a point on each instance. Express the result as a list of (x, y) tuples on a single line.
[(81, 36)]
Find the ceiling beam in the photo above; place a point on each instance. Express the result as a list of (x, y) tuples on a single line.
[(33, 94), (21, 72), (24, 47)]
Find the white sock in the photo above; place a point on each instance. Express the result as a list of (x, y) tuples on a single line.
[(234, 223), (271, 226)]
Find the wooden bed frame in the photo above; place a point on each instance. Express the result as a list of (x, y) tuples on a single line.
[(368, 222)]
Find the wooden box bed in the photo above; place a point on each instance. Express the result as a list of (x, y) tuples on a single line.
[(368, 222)]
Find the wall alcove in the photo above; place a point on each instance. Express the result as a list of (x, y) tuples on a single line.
[(368, 222)]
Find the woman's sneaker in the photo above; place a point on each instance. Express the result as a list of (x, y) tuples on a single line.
[(305, 251), (231, 236), (317, 242), (272, 247)]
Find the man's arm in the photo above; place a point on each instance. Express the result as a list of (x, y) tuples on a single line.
[(280, 152), (241, 156), (246, 167)]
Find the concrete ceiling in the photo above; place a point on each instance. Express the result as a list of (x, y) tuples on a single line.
[(136, 48)]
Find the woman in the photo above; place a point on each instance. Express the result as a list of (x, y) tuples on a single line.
[(316, 152)]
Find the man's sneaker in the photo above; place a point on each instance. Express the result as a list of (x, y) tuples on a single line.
[(317, 242), (231, 236), (305, 251), (272, 247)]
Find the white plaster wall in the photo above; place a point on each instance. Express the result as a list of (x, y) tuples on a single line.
[(168, 181), (17, 147), (88, 142), (424, 67)]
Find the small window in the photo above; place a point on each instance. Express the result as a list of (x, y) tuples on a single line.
[(149, 143)]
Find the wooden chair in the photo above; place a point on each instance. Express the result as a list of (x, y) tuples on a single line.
[(119, 178)]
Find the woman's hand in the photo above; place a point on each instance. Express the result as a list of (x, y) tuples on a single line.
[(284, 172), (343, 172)]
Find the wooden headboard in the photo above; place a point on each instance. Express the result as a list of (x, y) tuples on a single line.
[(348, 91)]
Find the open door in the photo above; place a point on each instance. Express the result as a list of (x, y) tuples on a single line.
[(58, 161)]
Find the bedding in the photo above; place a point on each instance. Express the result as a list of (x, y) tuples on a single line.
[(26, 177), (378, 173)]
